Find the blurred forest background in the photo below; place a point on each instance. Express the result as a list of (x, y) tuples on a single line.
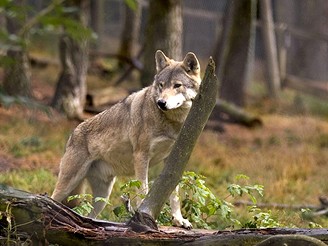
[(65, 60)]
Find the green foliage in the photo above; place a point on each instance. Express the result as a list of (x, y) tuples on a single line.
[(53, 18), (72, 27), (205, 210), (130, 193), (165, 217), (199, 204), (130, 190), (238, 190), (260, 219), (307, 214), (121, 213), (85, 203), (132, 4), (314, 225)]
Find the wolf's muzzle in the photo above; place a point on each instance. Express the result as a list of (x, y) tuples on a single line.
[(162, 104)]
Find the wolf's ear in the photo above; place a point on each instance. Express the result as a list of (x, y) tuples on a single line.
[(161, 60), (191, 63)]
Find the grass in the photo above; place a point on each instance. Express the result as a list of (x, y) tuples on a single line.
[(288, 155), (39, 181)]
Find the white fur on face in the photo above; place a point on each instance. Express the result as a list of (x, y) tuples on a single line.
[(175, 101), (191, 93)]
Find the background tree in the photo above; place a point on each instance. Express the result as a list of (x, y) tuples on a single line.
[(163, 31), (97, 21), (307, 37), (17, 69), (131, 29), (71, 87), (270, 48), (235, 49)]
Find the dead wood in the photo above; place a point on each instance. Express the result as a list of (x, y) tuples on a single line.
[(132, 61), (38, 220), (108, 96), (278, 205), (317, 88), (315, 210), (235, 114)]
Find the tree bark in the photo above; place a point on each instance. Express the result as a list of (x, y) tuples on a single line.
[(164, 32), (71, 87), (235, 50), (177, 160), (17, 73), (130, 33), (97, 21), (28, 219), (270, 48), (307, 56)]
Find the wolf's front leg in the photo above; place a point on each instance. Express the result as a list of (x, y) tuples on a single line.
[(178, 220), (141, 163)]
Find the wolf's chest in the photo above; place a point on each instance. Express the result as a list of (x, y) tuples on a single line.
[(160, 148)]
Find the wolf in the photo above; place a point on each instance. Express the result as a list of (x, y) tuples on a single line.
[(131, 136)]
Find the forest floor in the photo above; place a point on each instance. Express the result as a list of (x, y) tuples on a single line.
[(288, 155)]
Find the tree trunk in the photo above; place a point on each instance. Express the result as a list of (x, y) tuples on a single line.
[(164, 32), (270, 48), (235, 50), (130, 33), (307, 54), (71, 88), (97, 21), (17, 73), (28, 219)]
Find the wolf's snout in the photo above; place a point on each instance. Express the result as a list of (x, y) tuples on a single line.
[(162, 104)]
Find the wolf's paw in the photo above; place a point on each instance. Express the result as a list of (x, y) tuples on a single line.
[(181, 222)]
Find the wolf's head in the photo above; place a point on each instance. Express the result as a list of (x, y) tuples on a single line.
[(176, 83)]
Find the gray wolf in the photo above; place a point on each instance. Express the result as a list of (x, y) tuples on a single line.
[(131, 136)]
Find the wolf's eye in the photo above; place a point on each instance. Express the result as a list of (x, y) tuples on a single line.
[(160, 84), (177, 86)]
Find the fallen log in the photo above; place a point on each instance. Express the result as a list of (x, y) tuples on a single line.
[(277, 205), (236, 114), (108, 96), (39, 220), (308, 86), (315, 210)]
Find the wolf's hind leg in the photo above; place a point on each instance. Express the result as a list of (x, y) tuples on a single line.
[(178, 220), (73, 168), (100, 188), (80, 189)]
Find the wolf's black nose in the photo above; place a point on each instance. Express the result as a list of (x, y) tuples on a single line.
[(162, 104)]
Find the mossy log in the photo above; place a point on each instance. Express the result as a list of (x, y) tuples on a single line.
[(37, 219)]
